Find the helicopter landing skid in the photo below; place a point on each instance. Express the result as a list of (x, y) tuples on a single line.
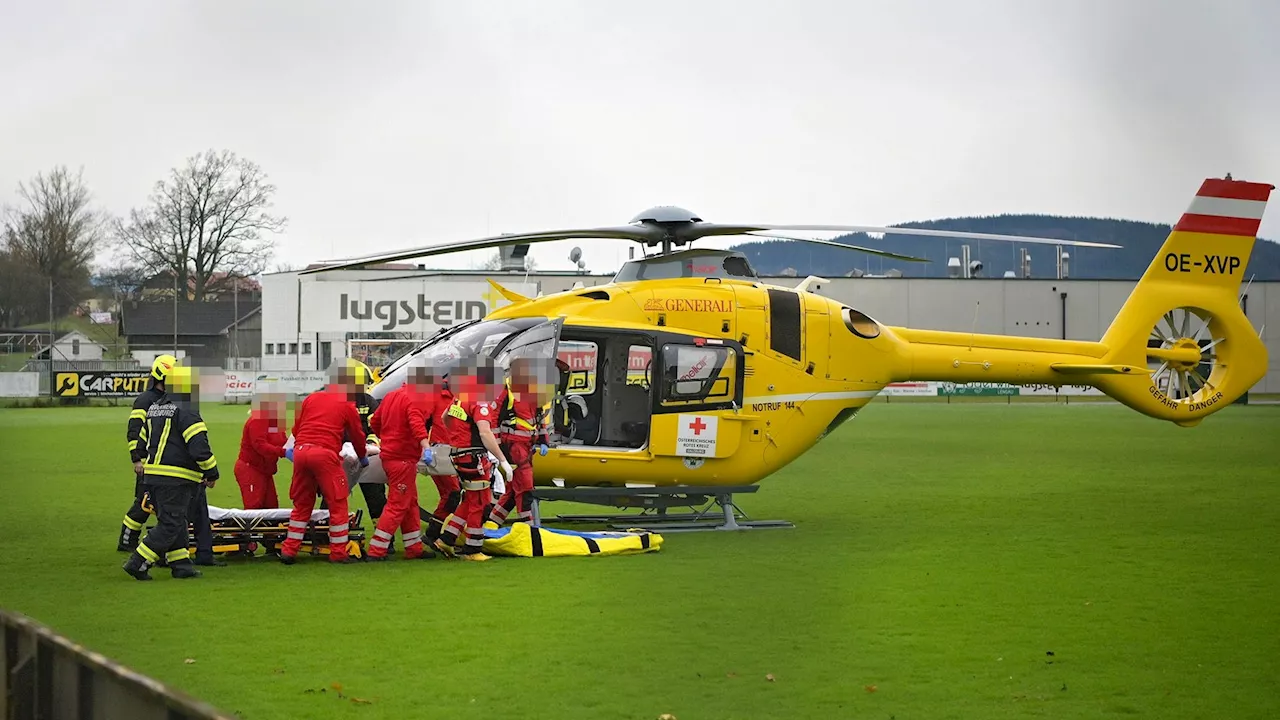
[(709, 508)]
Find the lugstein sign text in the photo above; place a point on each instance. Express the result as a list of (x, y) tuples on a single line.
[(394, 314)]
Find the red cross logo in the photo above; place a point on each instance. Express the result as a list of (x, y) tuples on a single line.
[(697, 426)]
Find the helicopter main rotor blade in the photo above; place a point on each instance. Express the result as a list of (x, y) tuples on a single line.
[(638, 233), (706, 229), (935, 233), (833, 243)]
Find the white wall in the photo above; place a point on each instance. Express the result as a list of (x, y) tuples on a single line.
[(146, 357), (19, 384)]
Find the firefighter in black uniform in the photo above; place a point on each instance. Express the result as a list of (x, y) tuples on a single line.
[(178, 460), (136, 517)]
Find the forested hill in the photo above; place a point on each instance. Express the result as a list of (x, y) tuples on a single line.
[(1140, 241)]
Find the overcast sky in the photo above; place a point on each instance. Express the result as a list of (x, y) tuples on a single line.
[(393, 124)]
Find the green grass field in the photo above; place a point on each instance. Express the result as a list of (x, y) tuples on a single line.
[(963, 561)]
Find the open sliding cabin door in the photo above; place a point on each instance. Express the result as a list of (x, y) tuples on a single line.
[(540, 343)]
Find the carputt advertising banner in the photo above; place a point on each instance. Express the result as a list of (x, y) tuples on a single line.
[(412, 306), (100, 383)]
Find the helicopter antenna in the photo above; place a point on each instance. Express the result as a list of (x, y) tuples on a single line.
[(973, 331), (1246, 288)]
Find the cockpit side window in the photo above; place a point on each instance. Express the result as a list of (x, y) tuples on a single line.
[(693, 374), (582, 357), (737, 266)]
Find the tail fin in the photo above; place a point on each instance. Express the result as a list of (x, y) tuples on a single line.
[(512, 296), (1183, 319)]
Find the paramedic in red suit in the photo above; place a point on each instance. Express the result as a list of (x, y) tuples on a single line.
[(401, 423), (521, 429), (261, 447), (447, 486), (469, 422), (318, 430)]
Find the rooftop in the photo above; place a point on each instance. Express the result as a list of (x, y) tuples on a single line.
[(202, 318)]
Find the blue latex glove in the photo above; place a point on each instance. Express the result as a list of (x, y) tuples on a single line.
[(542, 449), (364, 461), (427, 456), (288, 454)]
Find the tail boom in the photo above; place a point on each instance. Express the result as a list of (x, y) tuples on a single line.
[(964, 357), (1181, 347)]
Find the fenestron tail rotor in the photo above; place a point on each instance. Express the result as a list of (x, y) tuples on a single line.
[(1182, 354)]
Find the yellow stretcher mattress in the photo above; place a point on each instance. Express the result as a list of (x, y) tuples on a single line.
[(524, 540)]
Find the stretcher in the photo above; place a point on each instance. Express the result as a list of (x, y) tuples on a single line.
[(236, 530)]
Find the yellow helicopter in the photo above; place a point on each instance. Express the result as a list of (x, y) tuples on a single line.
[(687, 369)]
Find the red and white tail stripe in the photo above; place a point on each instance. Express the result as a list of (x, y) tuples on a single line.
[(1226, 207)]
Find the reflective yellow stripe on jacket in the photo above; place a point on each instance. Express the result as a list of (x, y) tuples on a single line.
[(192, 431), (174, 471), (518, 422)]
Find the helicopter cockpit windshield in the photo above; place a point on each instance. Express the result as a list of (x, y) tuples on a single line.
[(687, 264), (448, 346)]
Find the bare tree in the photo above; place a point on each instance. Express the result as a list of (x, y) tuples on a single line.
[(493, 262), (120, 281), (56, 232), (206, 223), (23, 293)]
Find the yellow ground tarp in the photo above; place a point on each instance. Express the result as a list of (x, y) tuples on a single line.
[(524, 540)]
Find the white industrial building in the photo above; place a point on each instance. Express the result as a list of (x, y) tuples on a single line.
[(307, 320)]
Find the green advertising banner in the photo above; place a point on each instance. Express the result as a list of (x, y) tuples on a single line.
[(977, 389)]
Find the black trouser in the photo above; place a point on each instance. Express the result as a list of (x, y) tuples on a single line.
[(135, 519), (169, 539), (198, 513)]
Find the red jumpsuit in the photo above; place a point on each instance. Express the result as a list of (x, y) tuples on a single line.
[(447, 485), (317, 438), (261, 447), (518, 427), (472, 461), (401, 423)]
